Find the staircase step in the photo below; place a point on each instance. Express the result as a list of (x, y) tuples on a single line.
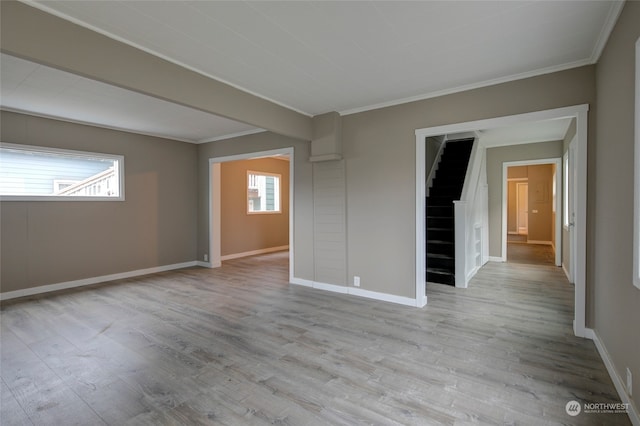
[(441, 261), (441, 247), (440, 234), (446, 211), (439, 222), (435, 275), (439, 201)]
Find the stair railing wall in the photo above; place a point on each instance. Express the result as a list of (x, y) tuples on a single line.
[(471, 219), (433, 167)]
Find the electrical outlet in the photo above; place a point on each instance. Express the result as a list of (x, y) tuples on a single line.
[(629, 381), (206, 257), (356, 281)]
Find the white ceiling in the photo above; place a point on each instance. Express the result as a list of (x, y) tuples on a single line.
[(530, 132), (315, 56), (40, 90)]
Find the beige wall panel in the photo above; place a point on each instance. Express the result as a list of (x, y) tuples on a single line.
[(517, 172), (540, 202), (616, 313), (330, 245), (242, 232), (52, 242)]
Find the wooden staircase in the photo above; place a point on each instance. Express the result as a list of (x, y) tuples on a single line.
[(447, 187)]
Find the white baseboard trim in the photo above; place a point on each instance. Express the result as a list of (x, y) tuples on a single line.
[(302, 282), (204, 264), (331, 287), (566, 272), (254, 252), (470, 275), (354, 291), (634, 415), (496, 259), (546, 243), (94, 280), (385, 297)]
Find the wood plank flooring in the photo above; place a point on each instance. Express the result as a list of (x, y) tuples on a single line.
[(239, 345), (533, 254)]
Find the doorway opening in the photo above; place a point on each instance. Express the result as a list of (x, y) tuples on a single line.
[(531, 214), (531, 219), (247, 193), (580, 114)]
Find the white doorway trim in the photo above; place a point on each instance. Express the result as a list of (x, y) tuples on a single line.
[(558, 220), (214, 202), (580, 113), (519, 201)]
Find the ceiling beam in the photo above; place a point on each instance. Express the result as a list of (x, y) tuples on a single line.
[(29, 33)]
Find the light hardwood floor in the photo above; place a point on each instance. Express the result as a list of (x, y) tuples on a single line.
[(238, 345)]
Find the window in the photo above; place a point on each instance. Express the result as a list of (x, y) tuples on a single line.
[(263, 192), (38, 173), (565, 190)]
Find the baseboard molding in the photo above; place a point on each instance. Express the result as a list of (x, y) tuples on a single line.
[(204, 264), (546, 243), (94, 280), (564, 268), (331, 287), (470, 275), (385, 297), (496, 259), (354, 291), (254, 252), (634, 414)]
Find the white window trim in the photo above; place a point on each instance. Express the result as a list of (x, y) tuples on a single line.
[(88, 154), (636, 202), (279, 176)]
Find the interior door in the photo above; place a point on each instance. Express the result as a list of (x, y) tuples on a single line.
[(522, 206)]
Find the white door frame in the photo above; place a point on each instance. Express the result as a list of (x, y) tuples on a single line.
[(519, 185), (580, 113), (214, 201), (505, 167), (571, 207)]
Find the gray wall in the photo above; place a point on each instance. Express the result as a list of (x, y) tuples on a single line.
[(303, 191), (379, 150), (617, 302), (495, 158), (48, 242)]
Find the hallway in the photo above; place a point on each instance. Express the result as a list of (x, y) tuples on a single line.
[(532, 254)]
